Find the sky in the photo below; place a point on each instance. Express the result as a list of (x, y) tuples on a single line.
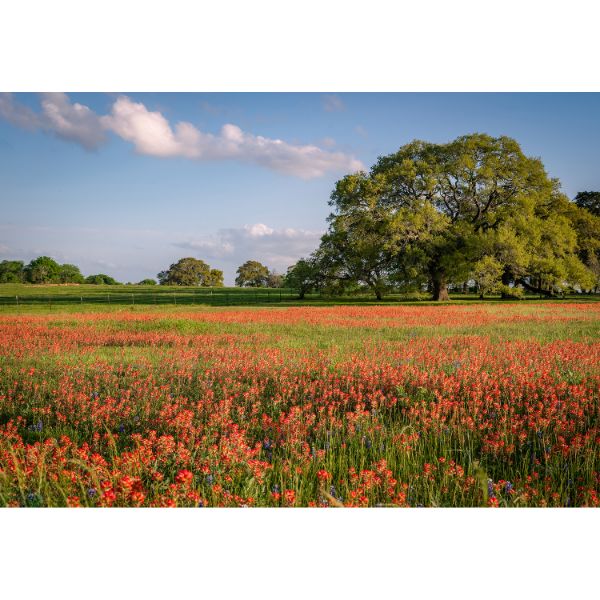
[(128, 183)]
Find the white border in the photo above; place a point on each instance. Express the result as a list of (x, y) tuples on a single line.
[(314, 45), (299, 553)]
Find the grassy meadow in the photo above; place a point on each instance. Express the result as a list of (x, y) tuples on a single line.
[(409, 405)]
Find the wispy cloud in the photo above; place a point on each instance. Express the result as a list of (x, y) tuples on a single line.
[(332, 103), (152, 135), (277, 248), (18, 114), (59, 116)]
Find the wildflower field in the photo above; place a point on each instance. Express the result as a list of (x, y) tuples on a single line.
[(487, 404)]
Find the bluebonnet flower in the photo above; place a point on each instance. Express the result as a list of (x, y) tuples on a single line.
[(457, 364), (491, 488), (200, 504), (95, 395), (508, 487), (333, 491), (267, 444), (275, 489), (209, 479), (121, 428), (31, 497), (91, 492), (326, 445), (37, 426), (367, 442)]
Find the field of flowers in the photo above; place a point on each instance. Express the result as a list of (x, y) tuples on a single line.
[(454, 405)]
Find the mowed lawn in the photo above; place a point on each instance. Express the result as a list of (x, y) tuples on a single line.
[(487, 404)]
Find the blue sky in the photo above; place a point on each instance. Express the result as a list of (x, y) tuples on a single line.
[(128, 183)]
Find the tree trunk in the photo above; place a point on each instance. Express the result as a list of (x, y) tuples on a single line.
[(506, 279), (533, 289), (378, 294), (440, 287)]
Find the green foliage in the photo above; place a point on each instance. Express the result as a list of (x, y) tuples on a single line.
[(252, 274), (487, 274), (438, 214), (513, 292), (190, 271), (147, 282), (11, 271), (303, 277), (43, 270), (590, 201), (70, 274), (215, 278), (101, 279)]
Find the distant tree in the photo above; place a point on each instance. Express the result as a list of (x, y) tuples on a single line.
[(11, 271), (190, 271), (101, 279), (70, 274), (589, 201), (252, 274), (215, 278), (42, 270), (275, 280), (303, 277), (147, 282)]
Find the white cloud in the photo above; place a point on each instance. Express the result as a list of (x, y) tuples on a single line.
[(332, 103), (152, 135), (72, 121), (149, 131), (69, 121), (277, 248)]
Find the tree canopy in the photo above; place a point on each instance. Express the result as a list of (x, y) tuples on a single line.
[(11, 271), (101, 279), (304, 276), (474, 209), (191, 271), (252, 274), (590, 201)]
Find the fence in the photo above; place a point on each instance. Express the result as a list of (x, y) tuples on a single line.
[(211, 297)]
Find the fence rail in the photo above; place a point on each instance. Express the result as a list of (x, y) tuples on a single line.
[(214, 298)]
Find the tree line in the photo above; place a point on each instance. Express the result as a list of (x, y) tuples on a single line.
[(475, 212), (46, 270), (185, 272)]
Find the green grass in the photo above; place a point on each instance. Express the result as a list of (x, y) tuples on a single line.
[(81, 298)]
